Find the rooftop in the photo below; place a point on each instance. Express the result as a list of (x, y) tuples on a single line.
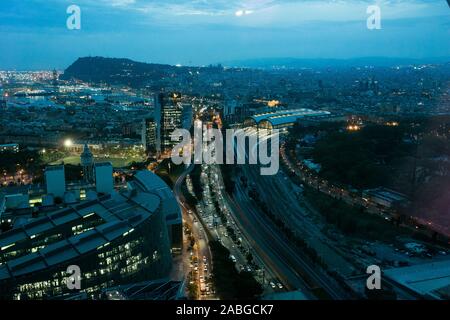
[(428, 280), (163, 289), (150, 182), (103, 164), (287, 116), (9, 145), (120, 214), (54, 168), (387, 194)]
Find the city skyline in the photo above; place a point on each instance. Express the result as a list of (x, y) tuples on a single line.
[(206, 32), (233, 150)]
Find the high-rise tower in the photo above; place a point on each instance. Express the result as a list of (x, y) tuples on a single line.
[(87, 161), (149, 135), (168, 117)]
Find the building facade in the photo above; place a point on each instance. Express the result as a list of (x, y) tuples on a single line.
[(168, 116), (149, 136), (115, 239), (103, 177), (55, 181)]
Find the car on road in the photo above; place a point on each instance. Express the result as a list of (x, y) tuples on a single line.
[(279, 285), (272, 285)]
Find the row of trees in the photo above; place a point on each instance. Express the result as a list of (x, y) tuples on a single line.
[(231, 284), (362, 159), (353, 221), (196, 182), (11, 162)]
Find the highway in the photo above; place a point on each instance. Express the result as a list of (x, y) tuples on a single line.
[(278, 193), (284, 260), (201, 248), (287, 259), (213, 190), (294, 265), (263, 273)]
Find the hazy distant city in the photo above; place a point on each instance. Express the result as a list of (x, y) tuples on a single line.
[(93, 205)]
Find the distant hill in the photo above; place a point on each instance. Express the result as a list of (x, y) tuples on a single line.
[(135, 74), (119, 71), (295, 63)]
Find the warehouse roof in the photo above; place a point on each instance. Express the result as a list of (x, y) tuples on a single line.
[(430, 280)]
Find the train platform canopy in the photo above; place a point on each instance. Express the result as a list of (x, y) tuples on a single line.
[(283, 118)]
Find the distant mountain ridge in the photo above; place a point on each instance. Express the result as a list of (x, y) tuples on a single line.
[(119, 71), (296, 63), (135, 74)]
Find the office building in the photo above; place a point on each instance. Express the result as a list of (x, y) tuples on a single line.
[(55, 181), (115, 240), (187, 115), (157, 115), (104, 177), (171, 120), (170, 206), (168, 117), (149, 136)]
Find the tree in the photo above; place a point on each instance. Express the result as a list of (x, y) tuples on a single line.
[(229, 283), (250, 257)]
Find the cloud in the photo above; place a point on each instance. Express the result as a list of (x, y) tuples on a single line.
[(241, 13), (121, 3), (208, 31), (291, 12), (276, 14)]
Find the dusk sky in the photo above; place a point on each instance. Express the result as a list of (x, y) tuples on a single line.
[(34, 33)]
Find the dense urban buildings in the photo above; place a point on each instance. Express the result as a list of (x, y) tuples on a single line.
[(88, 161), (116, 236), (116, 239), (349, 201)]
